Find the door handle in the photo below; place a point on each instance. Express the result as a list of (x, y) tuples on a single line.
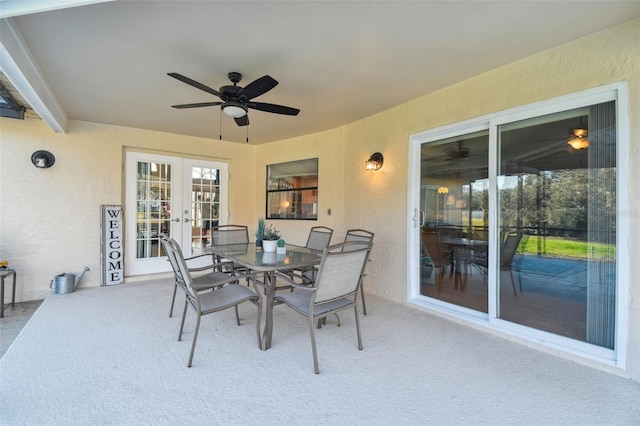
[(187, 220), (177, 219)]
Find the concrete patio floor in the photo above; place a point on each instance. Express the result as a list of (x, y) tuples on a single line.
[(110, 355)]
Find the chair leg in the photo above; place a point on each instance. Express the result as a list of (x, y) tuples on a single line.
[(355, 308), (237, 315), (184, 314), (513, 283), (195, 338), (258, 321), (364, 305), (313, 346), (173, 299)]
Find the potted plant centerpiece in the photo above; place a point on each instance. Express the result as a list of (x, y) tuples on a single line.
[(281, 247), (270, 238), (260, 233)]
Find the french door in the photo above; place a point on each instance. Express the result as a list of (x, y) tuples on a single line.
[(179, 197)]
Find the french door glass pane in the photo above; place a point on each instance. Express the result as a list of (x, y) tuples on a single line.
[(153, 215), (557, 217), (205, 205), (454, 214)]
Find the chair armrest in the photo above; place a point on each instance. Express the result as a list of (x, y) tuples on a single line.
[(291, 282), (214, 266), (220, 283)]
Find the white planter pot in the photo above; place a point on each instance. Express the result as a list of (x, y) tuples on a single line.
[(269, 246)]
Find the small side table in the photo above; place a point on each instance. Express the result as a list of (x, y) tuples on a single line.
[(4, 273)]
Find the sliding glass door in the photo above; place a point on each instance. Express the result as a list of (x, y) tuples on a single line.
[(515, 223), (557, 221), (455, 211)]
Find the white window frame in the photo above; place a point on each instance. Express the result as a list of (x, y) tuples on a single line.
[(616, 92)]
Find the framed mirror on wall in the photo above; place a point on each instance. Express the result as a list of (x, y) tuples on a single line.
[(292, 190)]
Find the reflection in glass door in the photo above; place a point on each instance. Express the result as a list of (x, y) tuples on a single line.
[(557, 221), (454, 220), (154, 194), (205, 205), (520, 222), (181, 198)]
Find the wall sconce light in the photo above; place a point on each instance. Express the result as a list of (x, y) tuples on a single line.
[(43, 159), (374, 162)]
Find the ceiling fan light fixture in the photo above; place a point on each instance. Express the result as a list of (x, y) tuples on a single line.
[(579, 143), (234, 109), (579, 136)]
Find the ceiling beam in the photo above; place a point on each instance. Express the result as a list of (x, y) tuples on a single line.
[(17, 63), (11, 8)]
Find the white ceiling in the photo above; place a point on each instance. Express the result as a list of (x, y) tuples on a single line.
[(337, 61)]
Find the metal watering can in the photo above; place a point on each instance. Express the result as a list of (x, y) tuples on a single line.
[(66, 283)]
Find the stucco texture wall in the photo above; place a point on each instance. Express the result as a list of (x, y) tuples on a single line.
[(328, 147), (377, 201), (50, 218)]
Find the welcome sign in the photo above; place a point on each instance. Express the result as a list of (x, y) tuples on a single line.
[(112, 260)]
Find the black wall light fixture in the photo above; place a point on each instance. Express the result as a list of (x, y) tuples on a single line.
[(374, 162), (43, 159)]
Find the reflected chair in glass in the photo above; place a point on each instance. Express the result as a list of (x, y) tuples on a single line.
[(336, 288), (210, 293), (516, 263), (441, 255), (508, 249)]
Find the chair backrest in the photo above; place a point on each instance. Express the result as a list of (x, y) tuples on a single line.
[(480, 233), (340, 271), (319, 238), (179, 266), (357, 235), (451, 231), (229, 234), (509, 248), (433, 243)]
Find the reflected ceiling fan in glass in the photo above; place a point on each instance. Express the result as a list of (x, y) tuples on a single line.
[(579, 136)]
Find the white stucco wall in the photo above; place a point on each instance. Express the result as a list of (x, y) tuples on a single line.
[(49, 219)]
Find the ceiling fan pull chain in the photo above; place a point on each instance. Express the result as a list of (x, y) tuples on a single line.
[(247, 134), (220, 124)]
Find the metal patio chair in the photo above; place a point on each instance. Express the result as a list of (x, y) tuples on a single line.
[(336, 288), (210, 293), (364, 236)]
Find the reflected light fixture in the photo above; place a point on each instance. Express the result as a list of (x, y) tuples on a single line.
[(43, 159), (234, 109), (443, 190), (579, 136), (374, 162)]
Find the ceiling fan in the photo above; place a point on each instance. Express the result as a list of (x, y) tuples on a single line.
[(237, 100), (461, 152)]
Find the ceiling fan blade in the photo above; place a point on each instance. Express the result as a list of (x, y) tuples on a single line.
[(195, 84), (242, 121), (196, 105), (276, 109), (258, 87)]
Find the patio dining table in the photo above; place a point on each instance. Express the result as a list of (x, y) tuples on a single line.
[(247, 255), (463, 251)]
